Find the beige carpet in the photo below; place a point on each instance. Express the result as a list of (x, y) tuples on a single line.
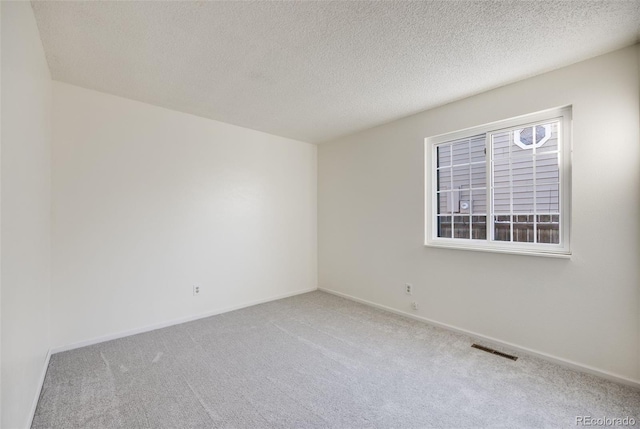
[(315, 361)]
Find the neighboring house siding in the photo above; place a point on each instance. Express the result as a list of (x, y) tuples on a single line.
[(469, 176)]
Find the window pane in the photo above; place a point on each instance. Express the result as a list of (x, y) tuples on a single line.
[(461, 152), (522, 171), (526, 183), (478, 201), (502, 200), (547, 199), (479, 227), (444, 226), (461, 227), (501, 176), (477, 149), (478, 175), (461, 177), (500, 145), (445, 202), (465, 202), (522, 199), (444, 179), (523, 228), (454, 184), (502, 228), (547, 168), (548, 229), (444, 155)]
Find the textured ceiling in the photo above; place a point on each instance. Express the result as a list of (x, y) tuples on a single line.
[(314, 71)]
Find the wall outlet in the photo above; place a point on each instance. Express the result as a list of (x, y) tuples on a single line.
[(408, 288), (415, 305), (196, 290)]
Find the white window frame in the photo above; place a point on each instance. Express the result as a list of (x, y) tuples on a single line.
[(563, 249)]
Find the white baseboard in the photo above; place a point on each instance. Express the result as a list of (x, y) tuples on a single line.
[(550, 358), (43, 374), (161, 325)]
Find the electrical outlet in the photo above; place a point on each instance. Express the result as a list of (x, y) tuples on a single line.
[(408, 288), (415, 305), (196, 290)]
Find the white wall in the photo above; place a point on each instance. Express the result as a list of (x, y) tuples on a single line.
[(26, 205), (148, 201), (586, 309)]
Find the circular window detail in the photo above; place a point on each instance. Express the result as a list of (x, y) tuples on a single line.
[(526, 139)]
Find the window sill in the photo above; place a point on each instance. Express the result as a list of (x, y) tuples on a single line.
[(524, 252)]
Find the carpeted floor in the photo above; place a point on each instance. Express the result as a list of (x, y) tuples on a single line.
[(315, 361)]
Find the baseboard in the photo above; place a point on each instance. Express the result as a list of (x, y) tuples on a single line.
[(172, 322), (43, 374), (550, 358)]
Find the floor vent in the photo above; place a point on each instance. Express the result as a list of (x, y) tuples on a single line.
[(492, 351)]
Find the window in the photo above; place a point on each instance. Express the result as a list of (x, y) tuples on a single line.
[(502, 187)]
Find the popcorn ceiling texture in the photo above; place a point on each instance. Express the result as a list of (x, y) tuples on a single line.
[(315, 71)]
